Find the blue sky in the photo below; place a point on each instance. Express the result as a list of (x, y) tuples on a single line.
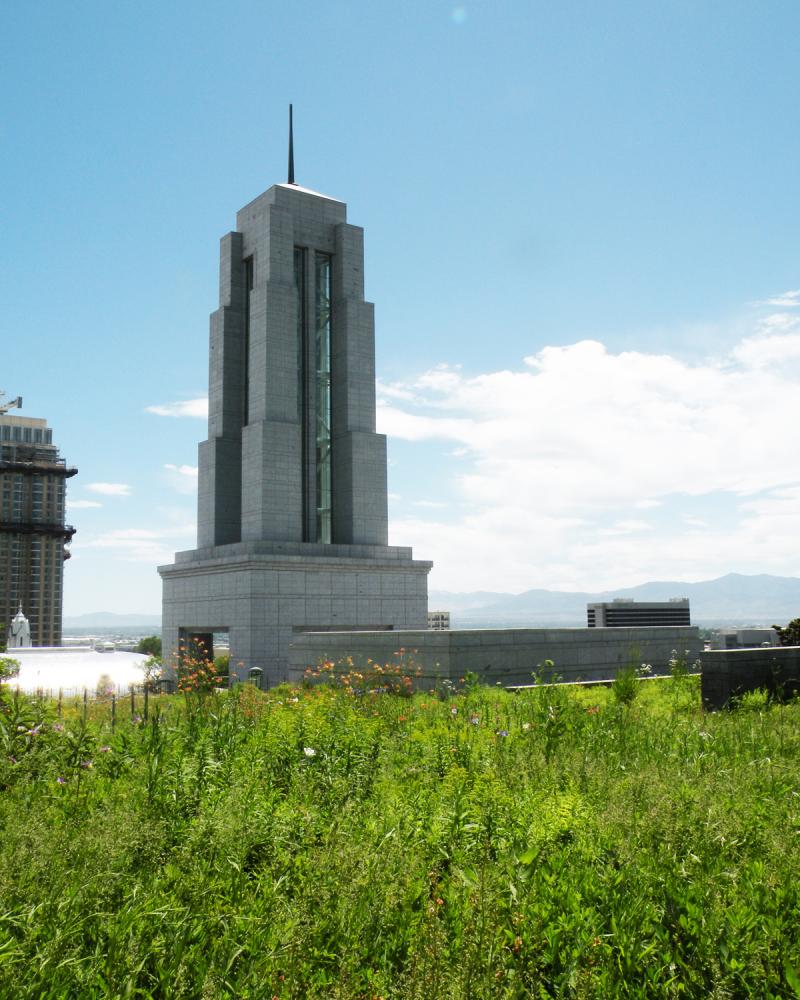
[(581, 238)]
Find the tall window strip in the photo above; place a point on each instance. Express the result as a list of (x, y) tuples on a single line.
[(248, 288), (322, 346), (302, 373)]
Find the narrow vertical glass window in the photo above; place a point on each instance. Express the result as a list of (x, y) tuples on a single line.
[(302, 373), (322, 345), (248, 288)]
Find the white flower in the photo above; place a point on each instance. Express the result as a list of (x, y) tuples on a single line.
[(309, 751)]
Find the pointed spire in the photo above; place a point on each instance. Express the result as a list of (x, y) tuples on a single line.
[(291, 148)]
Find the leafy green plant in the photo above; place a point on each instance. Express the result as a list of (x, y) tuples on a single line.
[(789, 635), (324, 843), (196, 671), (151, 645), (9, 667), (625, 686)]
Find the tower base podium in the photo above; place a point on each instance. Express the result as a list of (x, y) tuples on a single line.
[(264, 594)]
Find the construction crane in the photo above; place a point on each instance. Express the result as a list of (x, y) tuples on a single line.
[(6, 405)]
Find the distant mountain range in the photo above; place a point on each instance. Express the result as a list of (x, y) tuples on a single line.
[(730, 600), (108, 619), (734, 599)]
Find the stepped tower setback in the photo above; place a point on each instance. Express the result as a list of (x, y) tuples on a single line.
[(292, 502)]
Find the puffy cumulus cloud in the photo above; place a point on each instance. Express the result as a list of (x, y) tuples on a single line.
[(110, 489), (571, 463), (182, 478), (183, 408)]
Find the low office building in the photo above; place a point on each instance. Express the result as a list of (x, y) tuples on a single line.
[(621, 613), (33, 532), (744, 638), (439, 620)]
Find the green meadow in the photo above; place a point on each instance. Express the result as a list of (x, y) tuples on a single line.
[(352, 840)]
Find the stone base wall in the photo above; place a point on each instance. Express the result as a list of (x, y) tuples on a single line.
[(510, 656), (264, 596), (729, 673)]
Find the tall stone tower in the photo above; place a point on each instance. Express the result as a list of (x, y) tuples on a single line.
[(292, 506)]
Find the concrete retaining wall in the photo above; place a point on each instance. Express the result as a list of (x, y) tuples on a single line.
[(510, 656), (729, 673)]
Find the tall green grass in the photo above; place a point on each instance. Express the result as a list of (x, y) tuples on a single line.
[(346, 844)]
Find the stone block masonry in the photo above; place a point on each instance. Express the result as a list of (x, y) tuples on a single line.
[(507, 656), (292, 501), (727, 674), (263, 596)]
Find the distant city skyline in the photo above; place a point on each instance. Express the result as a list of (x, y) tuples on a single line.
[(581, 242)]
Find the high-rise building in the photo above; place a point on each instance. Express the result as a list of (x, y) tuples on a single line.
[(33, 532), (292, 501)]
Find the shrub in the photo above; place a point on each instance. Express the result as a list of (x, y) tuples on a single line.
[(195, 670), (790, 634), (9, 667), (151, 645), (625, 686), (222, 665)]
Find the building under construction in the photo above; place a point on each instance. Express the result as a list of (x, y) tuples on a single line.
[(33, 532)]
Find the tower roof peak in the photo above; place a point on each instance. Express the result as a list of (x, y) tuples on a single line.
[(291, 148)]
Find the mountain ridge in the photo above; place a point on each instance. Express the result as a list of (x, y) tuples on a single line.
[(734, 598)]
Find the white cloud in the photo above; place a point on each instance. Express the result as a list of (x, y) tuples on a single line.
[(183, 408), (82, 504), (768, 351), (182, 478), (433, 504), (140, 544), (626, 527), (398, 391), (561, 454), (785, 300), (110, 489)]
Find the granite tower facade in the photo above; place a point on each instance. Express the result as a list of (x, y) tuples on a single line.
[(292, 503)]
